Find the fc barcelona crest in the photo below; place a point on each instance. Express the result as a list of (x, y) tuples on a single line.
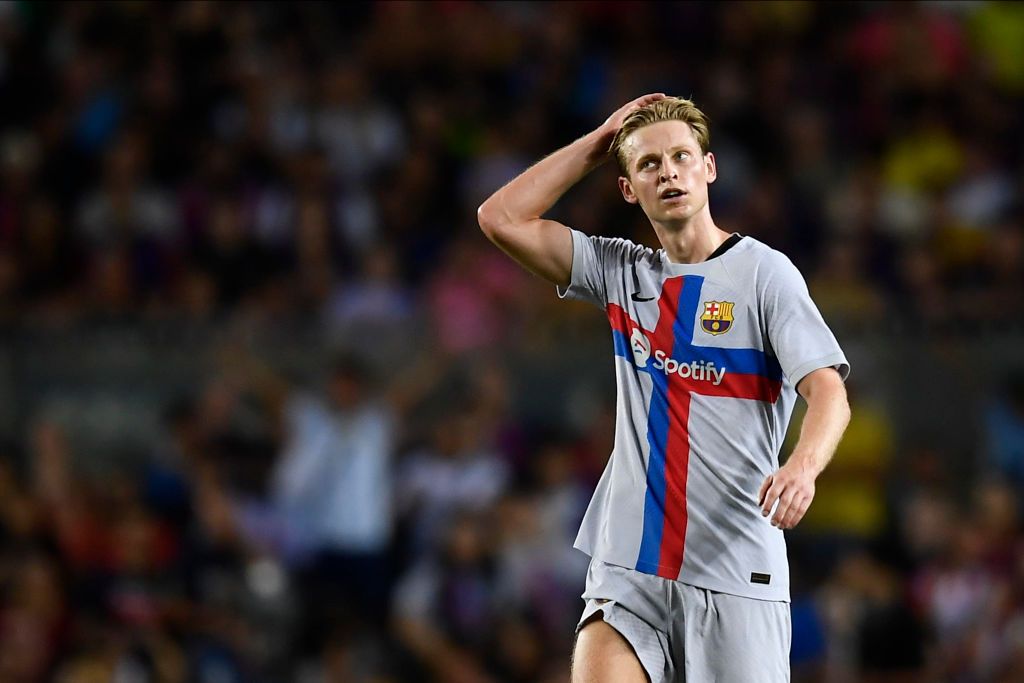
[(717, 318)]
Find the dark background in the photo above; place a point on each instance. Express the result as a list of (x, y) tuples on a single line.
[(272, 409)]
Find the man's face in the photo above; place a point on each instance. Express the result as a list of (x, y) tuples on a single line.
[(668, 174)]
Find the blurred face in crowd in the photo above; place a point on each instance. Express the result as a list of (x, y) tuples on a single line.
[(466, 543), (346, 390), (667, 175)]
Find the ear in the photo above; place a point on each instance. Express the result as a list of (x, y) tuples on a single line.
[(710, 168), (627, 190)]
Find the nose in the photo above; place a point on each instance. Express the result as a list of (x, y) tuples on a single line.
[(668, 171)]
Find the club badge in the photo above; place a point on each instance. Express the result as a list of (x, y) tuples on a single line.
[(717, 317)]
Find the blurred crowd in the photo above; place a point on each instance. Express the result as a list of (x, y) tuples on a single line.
[(241, 167)]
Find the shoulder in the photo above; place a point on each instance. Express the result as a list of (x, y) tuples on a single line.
[(766, 263), (756, 251), (617, 249)]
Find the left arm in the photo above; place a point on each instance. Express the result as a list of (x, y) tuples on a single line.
[(792, 485)]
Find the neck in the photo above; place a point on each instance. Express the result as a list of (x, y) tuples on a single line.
[(693, 241)]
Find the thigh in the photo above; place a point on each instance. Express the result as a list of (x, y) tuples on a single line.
[(631, 606), (732, 639), (603, 655)]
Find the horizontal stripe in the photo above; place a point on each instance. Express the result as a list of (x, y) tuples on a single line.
[(742, 361)]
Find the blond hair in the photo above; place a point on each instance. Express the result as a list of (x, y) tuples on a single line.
[(668, 109)]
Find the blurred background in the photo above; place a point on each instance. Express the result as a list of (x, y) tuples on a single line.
[(272, 409)]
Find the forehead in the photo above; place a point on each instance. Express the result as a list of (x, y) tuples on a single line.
[(657, 137)]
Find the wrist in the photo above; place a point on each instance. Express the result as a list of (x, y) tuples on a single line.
[(597, 142), (805, 463)]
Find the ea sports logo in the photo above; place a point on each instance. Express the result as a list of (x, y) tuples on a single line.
[(641, 347)]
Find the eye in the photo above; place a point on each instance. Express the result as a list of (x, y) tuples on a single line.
[(646, 164), (681, 155)]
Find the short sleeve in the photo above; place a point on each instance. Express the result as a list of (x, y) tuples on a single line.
[(798, 334), (595, 263)]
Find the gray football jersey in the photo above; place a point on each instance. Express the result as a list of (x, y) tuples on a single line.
[(707, 358)]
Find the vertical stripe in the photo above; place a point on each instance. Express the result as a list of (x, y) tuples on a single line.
[(677, 449), (654, 501), (677, 446), (658, 420), (687, 314)]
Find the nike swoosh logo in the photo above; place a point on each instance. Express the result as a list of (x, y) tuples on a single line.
[(636, 297)]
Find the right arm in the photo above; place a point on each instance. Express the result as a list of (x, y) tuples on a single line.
[(511, 217)]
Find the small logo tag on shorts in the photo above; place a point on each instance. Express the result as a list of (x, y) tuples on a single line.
[(756, 577)]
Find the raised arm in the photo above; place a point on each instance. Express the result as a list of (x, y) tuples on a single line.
[(512, 216)]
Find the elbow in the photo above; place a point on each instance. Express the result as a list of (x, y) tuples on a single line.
[(487, 217), (492, 221)]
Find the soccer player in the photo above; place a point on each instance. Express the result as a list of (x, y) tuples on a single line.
[(714, 335)]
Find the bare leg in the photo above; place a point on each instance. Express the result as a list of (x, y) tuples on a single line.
[(602, 655)]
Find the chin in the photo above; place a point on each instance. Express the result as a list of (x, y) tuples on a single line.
[(679, 213)]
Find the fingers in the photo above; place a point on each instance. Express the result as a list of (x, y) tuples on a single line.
[(796, 513), (652, 97), (785, 504), (643, 101), (620, 115), (771, 496), (764, 490), (792, 498)]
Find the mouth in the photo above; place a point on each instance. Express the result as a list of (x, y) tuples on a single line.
[(671, 194)]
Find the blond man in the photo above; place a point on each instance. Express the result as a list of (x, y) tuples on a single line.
[(714, 337)]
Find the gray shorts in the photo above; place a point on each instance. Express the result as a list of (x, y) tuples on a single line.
[(684, 633)]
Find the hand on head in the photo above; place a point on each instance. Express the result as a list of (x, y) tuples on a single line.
[(614, 122)]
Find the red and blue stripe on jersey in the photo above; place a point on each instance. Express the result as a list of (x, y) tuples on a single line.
[(750, 374)]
